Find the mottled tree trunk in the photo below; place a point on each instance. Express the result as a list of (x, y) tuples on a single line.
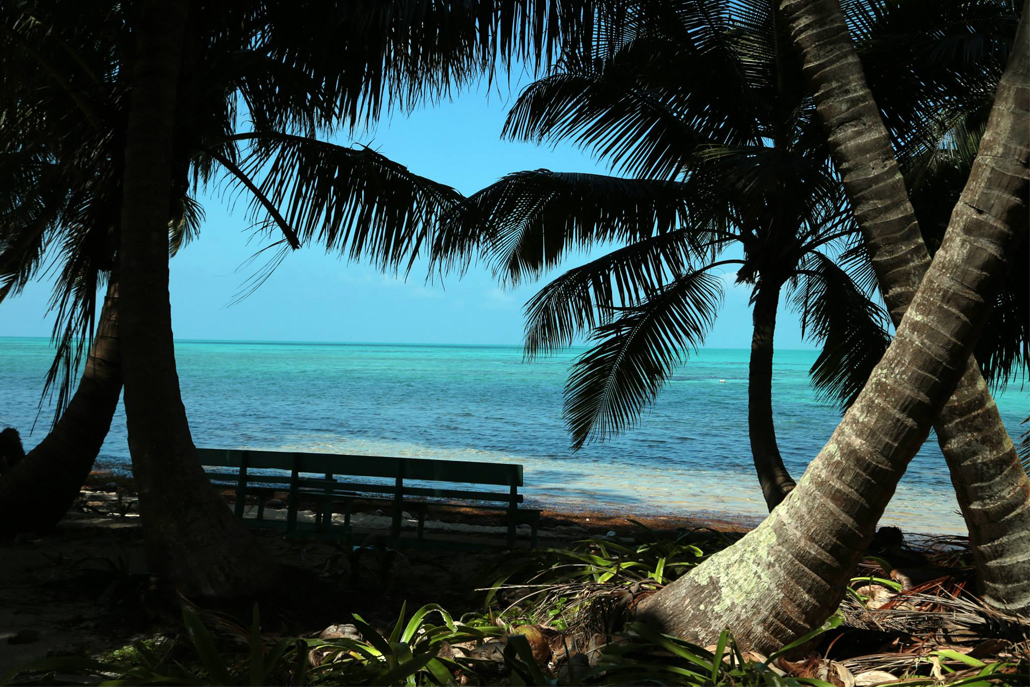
[(788, 575), (40, 489), (992, 489), (772, 474), (191, 536)]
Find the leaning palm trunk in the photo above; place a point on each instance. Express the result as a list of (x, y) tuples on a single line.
[(788, 575), (191, 536), (40, 489), (992, 489), (772, 474)]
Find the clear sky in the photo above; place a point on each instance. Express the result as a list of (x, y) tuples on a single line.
[(317, 297)]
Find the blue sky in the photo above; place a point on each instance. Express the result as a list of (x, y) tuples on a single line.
[(317, 297)]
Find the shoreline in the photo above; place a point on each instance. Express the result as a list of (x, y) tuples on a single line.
[(598, 519), (584, 504)]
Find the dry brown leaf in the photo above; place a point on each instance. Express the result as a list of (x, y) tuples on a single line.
[(871, 678)]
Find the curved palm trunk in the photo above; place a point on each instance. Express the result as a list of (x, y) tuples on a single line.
[(788, 575), (191, 536), (992, 490), (40, 489), (772, 475)]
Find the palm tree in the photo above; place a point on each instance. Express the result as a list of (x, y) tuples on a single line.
[(993, 491), (64, 125), (707, 105), (935, 103), (200, 542), (786, 576), (295, 72), (38, 491)]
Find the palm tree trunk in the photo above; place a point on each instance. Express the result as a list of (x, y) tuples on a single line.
[(191, 536), (40, 489), (788, 575), (992, 490), (772, 474)]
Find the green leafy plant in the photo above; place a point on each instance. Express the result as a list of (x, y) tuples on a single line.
[(560, 587), (611, 560), (409, 654)]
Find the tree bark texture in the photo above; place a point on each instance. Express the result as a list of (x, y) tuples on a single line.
[(772, 474), (787, 576), (992, 489), (40, 489), (192, 538)]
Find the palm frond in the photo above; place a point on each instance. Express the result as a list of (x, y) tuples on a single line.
[(528, 222), (796, 186), (184, 227), (635, 131), (851, 328), (23, 240), (929, 63), (855, 260), (590, 294), (74, 301), (611, 384), (935, 181), (369, 55), (350, 201)]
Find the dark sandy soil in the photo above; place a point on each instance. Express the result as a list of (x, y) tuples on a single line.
[(85, 587)]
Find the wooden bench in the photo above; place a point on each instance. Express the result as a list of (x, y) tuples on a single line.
[(339, 480)]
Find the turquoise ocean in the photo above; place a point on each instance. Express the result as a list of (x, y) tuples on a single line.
[(688, 455)]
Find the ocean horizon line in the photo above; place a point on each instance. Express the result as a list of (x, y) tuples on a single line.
[(303, 342)]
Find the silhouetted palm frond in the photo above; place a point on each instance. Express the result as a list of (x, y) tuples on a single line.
[(634, 354), (184, 227), (935, 180), (26, 219), (929, 63), (590, 294), (528, 222), (635, 131), (351, 201), (367, 55), (851, 329), (297, 69)]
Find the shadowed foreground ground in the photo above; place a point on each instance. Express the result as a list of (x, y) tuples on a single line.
[(85, 587), (84, 590)]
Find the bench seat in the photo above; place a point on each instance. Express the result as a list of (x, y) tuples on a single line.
[(330, 481)]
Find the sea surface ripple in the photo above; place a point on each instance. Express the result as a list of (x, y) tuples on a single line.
[(689, 453)]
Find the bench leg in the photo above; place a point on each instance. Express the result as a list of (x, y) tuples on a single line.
[(327, 516), (398, 507), (421, 520), (261, 506), (396, 520), (511, 530), (291, 512), (241, 489)]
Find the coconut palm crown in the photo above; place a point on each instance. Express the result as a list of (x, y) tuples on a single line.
[(263, 86), (702, 109)]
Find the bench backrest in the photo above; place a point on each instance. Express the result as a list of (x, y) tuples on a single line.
[(424, 469)]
